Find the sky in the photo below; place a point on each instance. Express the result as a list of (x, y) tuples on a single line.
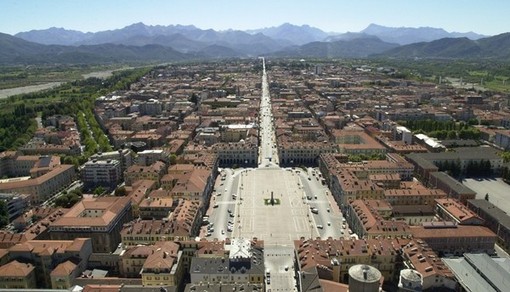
[(489, 17)]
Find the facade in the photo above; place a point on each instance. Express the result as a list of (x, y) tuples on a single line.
[(303, 153), (242, 153), (495, 219), (16, 204), (42, 187), (182, 224), (419, 257), (99, 219), (502, 139), (449, 238), (452, 187), (62, 277), (47, 255), (124, 156), (334, 257), (355, 142), (367, 219), (153, 172), (16, 275), (163, 267), (453, 210), (101, 173), (414, 196), (244, 264), (148, 157)]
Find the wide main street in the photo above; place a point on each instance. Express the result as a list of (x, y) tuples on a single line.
[(302, 208)]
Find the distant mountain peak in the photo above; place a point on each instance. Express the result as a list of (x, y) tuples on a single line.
[(408, 35)]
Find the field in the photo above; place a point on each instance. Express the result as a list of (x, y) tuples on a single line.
[(17, 76)]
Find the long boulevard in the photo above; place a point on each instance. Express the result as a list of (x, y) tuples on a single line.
[(241, 208)]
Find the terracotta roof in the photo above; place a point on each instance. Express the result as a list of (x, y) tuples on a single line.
[(64, 269), (109, 207), (16, 269)]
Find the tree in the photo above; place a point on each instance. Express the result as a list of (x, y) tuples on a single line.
[(173, 159), (120, 191), (99, 190)]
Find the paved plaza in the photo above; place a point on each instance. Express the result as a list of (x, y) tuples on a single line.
[(498, 190), (278, 224)]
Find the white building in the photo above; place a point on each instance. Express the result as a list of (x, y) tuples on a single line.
[(104, 173)]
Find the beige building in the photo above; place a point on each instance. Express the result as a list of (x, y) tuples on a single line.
[(370, 219), (414, 196), (356, 142), (298, 153), (16, 275), (449, 238), (99, 219), (345, 187), (244, 264), (417, 255), (153, 172), (42, 187), (334, 257), (164, 266), (242, 153), (182, 224), (62, 277), (48, 255)]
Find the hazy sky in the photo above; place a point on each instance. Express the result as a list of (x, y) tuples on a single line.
[(487, 17)]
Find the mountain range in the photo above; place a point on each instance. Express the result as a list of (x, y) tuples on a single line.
[(140, 42)]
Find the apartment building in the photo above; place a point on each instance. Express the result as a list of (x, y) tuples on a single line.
[(302, 153), (153, 172), (16, 275), (244, 264), (334, 257), (356, 142), (414, 196), (148, 157), (42, 187), (417, 255), (370, 219), (48, 255), (182, 224), (163, 267), (243, 153), (452, 187), (101, 173), (100, 219), (192, 184), (345, 187), (464, 156), (450, 238), (156, 207), (494, 218), (124, 156), (452, 210)]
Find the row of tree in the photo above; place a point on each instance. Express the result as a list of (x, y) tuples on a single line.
[(473, 168), (443, 129)]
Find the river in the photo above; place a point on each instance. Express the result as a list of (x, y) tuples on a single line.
[(4, 93)]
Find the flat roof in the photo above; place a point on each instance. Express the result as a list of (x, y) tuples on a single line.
[(452, 183), (467, 275), (493, 211), (480, 272)]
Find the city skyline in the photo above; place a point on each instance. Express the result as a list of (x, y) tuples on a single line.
[(329, 16)]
